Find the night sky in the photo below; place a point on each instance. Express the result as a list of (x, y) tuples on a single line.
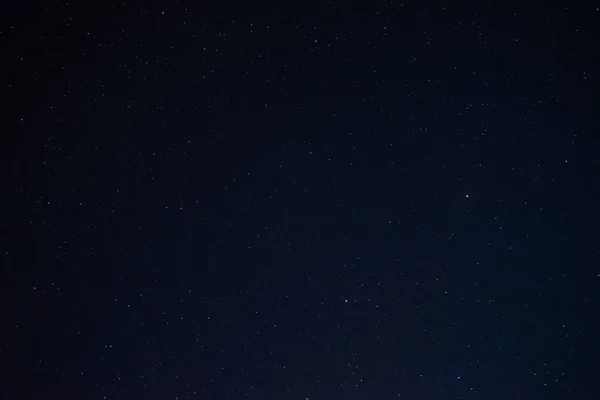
[(377, 201)]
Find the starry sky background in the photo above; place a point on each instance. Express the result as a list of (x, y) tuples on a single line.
[(383, 201)]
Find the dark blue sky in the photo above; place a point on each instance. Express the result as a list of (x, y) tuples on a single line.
[(384, 201)]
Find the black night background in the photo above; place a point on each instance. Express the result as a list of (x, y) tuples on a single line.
[(376, 200)]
